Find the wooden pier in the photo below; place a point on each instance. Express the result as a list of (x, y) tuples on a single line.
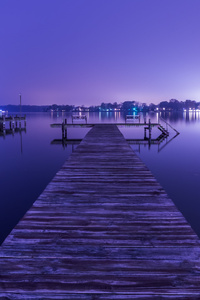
[(147, 127), (14, 124), (103, 229), (147, 140)]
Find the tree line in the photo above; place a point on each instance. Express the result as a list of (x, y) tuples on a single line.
[(172, 104)]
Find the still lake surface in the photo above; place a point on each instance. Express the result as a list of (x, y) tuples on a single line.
[(29, 160)]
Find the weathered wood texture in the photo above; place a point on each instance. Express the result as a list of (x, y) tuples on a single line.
[(102, 229)]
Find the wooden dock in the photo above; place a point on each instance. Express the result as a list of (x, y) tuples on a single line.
[(15, 124), (103, 229)]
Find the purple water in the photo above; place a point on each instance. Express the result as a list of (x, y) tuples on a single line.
[(28, 161)]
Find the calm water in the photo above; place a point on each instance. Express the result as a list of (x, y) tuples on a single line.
[(28, 161)]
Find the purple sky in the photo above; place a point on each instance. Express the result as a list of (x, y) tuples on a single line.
[(92, 51)]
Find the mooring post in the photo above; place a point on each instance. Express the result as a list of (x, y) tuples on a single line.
[(20, 102), (145, 133), (63, 132), (149, 128), (149, 143), (13, 123), (4, 123), (65, 128)]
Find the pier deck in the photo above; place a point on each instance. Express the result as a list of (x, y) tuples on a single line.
[(13, 123), (102, 229), (127, 124)]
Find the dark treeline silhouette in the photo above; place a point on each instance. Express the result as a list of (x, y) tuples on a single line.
[(36, 108), (174, 104), (171, 105)]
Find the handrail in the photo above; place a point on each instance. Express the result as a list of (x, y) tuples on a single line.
[(167, 142), (169, 125)]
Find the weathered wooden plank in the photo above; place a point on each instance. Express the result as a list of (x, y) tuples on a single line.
[(183, 253), (93, 296), (103, 267), (108, 296), (103, 229)]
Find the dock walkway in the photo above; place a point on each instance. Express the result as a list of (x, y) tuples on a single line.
[(103, 229)]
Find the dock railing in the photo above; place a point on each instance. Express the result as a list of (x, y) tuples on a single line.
[(132, 118), (79, 118), (13, 122), (167, 124)]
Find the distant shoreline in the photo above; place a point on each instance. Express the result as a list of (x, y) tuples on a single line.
[(127, 106)]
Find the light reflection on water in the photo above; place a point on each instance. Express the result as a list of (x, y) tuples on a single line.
[(29, 161)]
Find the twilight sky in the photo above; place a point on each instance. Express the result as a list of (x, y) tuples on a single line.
[(92, 51)]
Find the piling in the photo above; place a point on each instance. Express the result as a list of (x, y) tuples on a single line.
[(12, 122)]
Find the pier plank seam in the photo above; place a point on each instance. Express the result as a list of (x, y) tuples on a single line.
[(103, 228)]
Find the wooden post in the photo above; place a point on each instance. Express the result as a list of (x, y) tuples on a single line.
[(13, 123), (20, 116), (65, 127), (145, 133), (20, 102), (149, 143), (4, 123), (63, 132), (149, 128)]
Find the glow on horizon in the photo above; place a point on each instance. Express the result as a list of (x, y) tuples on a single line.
[(88, 52)]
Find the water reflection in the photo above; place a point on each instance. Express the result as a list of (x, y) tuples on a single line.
[(120, 116), (29, 160), (187, 116), (9, 125), (191, 116), (12, 132), (28, 163), (150, 133), (174, 162)]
